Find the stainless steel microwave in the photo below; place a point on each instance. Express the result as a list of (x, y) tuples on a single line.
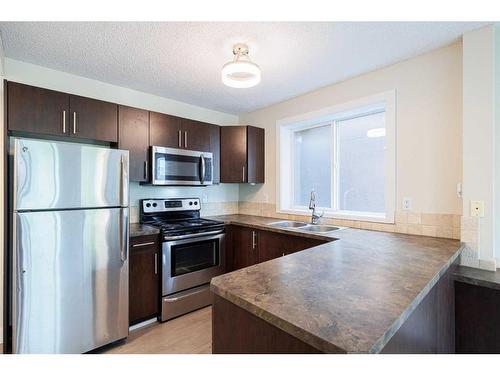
[(172, 166)]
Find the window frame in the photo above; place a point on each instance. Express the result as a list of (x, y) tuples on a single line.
[(285, 158)]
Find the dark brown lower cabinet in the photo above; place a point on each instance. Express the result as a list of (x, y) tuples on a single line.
[(247, 246), (144, 278), (477, 319)]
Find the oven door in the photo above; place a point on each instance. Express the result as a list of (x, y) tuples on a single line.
[(171, 166), (192, 262)]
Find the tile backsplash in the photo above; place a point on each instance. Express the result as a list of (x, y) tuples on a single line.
[(424, 224)]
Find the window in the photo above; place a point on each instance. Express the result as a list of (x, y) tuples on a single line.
[(346, 155)]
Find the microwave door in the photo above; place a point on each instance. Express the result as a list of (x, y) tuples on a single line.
[(180, 167)]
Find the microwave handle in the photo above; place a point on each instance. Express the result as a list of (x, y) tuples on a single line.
[(202, 167)]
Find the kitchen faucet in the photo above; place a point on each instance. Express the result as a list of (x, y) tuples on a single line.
[(312, 206)]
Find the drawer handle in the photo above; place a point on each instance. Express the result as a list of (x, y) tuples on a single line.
[(143, 244), (180, 139), (156, 264), (185, 139)]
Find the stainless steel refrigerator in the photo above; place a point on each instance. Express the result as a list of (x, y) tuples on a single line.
[(70, 246)]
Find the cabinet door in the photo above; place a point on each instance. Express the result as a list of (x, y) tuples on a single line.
[(299, 243), (245, 251), (133, 135), (215, 150), (233, 154), (165, 130), (196, 135), (144, 279), (271, 245), (255, 156), (35, 110), (93, 119)]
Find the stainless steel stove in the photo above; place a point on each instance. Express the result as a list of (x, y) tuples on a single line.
[(193, 251)]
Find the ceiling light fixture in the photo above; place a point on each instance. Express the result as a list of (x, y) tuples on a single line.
[(241, 72)]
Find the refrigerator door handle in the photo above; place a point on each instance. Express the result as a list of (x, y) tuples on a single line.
[(124, 183), (124, 234)]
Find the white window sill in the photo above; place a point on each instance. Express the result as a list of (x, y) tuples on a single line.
[(342, 215)]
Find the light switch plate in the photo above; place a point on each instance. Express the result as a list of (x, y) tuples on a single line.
[(477, 208)]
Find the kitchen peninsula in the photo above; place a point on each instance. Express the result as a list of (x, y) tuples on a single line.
[(364, 292)]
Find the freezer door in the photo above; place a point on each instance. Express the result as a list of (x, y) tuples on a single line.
[(70, 271), (58, 175)]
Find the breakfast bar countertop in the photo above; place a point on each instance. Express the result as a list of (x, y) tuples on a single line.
[(349, 295)]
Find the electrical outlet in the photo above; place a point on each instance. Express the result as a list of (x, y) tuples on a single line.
[(477, 208), (407, 204), (204, 198)]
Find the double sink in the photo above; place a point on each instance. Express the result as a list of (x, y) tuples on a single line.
[(301, 226)]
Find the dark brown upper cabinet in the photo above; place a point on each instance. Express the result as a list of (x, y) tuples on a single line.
[(133, 135), (215, 150), (196, 135), (242, 154), (93, 119), (36, 110), (164, 130), (176, 132)]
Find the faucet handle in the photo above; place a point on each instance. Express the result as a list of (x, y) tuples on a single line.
[(312, 200)]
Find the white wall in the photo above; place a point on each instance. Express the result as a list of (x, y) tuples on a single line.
[(497, 143), (428, 126), (479, 135)]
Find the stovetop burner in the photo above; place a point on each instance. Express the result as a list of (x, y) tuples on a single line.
[(176, 217)]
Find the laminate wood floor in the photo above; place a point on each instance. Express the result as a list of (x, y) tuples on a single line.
[(188, 334)]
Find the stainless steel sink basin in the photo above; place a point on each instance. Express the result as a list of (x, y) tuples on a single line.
[(288, 224), (320, 228)]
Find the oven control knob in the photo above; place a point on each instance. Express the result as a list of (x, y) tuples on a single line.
[(190, 203), (154, 205), (195, 203), (148, 205)]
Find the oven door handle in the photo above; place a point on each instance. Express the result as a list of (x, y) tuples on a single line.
[(193, 235), (202, 169)]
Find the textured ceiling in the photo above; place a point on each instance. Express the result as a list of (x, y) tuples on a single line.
[(182, 60)]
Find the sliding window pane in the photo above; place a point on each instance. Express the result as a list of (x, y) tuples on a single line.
[(362, 156), (312, 166)]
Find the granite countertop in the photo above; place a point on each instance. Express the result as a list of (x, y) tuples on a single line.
[(475, 276), (138, 230), (345, 296)]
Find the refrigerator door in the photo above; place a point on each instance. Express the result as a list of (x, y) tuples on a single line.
[(59, 175), (70, 280)]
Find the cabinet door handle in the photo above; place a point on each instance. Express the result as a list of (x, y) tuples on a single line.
[(64, 121), (156, 264), (74, 122), (143, 244), (185, 139), (254, 238), (145, 169), (243, 174), (180, 139)]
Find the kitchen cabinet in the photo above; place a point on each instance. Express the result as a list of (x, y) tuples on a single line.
[(144, 278), (242, 154), (249, 246), (176, 132), (244, 247), (36, 110), (215, 150), (93, 119), (165, 130), (196, 135), (133, 135)]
